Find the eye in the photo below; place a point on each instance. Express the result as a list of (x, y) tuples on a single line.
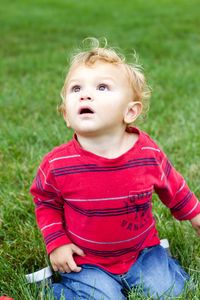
[(76, 88), (103, 87)]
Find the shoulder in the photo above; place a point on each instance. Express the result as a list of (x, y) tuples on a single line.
[(148, 142), (58, 154), (149, 146), (62, 150), (144, 139)]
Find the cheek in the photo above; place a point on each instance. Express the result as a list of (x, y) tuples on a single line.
[(68, 113), (70, 105)]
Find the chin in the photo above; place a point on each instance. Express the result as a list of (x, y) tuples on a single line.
[(86, 131)]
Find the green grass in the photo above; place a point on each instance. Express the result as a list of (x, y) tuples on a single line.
[(36, 39)]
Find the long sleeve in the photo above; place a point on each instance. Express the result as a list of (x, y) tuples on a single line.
[(49, 207), (174, 192)]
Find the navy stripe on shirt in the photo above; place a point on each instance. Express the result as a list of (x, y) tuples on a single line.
[(53, 236), (40, 187), (107, 212), (94, 168), (114, 253), (183, 202)]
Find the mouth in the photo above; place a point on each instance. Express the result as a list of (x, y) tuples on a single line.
[(85, 110)]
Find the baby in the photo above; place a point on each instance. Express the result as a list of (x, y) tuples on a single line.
[(93, 195)]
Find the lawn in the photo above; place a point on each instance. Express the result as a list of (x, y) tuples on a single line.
[(37, 38)]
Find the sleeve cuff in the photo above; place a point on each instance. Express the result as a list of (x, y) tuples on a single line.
[(189, 211), (64, 240)]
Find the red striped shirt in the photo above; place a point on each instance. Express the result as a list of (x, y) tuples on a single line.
[(104, 206)]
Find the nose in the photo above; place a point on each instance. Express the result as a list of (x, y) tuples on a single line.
[(85, 98)]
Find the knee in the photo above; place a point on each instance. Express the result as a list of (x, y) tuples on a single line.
[(61, 292), (166, 286), (93, 290), (160, 290), (161, 274), (104, 291)]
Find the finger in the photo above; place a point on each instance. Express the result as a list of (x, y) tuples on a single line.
[(64, 268), (76, 269), (61, 269), (67, 269), (55, 268), (77, 250), (73, 266)]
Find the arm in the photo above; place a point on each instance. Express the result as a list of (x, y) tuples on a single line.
[(174, 192), (50, 218)]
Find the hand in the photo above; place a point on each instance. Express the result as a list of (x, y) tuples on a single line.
[(196, 223), (62, 258)]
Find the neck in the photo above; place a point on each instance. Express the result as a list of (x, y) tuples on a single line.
[(108, 146)]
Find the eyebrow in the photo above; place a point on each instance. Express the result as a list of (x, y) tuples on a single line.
[(74, 80)]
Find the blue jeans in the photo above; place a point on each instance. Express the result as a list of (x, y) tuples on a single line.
[(154, 274)]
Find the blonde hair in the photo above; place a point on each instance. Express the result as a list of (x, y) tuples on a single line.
[(93, 53)]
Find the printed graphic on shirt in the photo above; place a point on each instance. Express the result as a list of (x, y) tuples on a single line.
[(138, 210)]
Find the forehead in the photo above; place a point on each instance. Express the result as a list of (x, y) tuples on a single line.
[(97, 70)]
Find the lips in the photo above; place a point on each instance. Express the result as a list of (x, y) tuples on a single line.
[(85, 110)]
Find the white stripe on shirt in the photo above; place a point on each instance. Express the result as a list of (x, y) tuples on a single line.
[(190, 211), (64, 157), (116, 242), (47, 182), (52, 224), (150, 148), (181, 187)]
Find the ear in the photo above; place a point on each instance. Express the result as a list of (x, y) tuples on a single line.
[(133, 111)]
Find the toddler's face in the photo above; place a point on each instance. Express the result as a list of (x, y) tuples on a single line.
[(97, 98)]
